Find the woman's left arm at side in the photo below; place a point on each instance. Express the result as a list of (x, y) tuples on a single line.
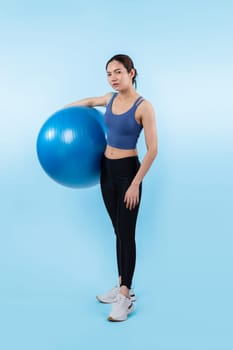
[(147, 116)]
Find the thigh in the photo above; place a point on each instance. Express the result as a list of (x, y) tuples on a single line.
[(109, 195), (126, 219)]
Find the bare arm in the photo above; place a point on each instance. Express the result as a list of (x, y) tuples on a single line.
[(151, 139), (92, 101), (150, 132)]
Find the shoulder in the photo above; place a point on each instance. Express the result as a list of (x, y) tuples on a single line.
[(146, 105), (146, 109), (108, 97)]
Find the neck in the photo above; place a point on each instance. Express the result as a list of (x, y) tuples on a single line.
[(127, 94)]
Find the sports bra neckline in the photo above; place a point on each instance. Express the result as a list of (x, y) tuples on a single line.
[(128, 110)]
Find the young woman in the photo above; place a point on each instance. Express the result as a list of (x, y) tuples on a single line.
[(127, 113)]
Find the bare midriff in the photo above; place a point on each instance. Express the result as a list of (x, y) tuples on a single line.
[(118, 153)]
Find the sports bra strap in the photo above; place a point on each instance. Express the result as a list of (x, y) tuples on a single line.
[(136, 103), (139, 100)]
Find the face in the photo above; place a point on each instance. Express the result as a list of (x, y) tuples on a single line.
[(118, 77)]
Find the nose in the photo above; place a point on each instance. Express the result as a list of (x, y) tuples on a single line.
[(113, 78)]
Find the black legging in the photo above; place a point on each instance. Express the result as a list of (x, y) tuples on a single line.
[(116, 176)]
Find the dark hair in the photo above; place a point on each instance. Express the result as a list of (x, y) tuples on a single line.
[(127, 63)]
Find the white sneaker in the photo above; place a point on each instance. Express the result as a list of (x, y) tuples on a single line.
[(111, 296), (121, 309)]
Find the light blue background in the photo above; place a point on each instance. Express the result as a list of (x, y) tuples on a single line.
[(56, 244)]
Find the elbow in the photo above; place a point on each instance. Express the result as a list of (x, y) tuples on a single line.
[(153, 151)]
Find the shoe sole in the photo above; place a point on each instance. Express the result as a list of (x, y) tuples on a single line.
[(129, 312), (103, 302), (132, 298), (113, 320)]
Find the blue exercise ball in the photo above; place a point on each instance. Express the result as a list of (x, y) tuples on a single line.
[(70, 146)]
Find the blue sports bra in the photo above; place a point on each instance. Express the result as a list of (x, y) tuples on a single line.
[(122, 129)]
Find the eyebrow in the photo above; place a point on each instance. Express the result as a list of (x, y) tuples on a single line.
[(114, 70)]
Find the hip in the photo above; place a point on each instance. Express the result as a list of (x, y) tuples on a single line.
[(124, 167)]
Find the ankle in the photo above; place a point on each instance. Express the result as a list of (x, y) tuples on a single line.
[(119, 279), (125, 291)]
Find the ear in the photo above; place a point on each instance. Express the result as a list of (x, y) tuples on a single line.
[(132, 73)]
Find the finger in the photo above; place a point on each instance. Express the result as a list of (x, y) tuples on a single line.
[(132, 204), (127, 203)]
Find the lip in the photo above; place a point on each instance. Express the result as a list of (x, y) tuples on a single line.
[(115, 85)]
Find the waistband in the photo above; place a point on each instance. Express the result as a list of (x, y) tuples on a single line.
[(121, 166), (131, 158)]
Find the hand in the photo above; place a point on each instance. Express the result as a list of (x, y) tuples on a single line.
[(132, 197)]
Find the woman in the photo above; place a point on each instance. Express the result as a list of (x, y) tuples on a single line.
[(127, 113)]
